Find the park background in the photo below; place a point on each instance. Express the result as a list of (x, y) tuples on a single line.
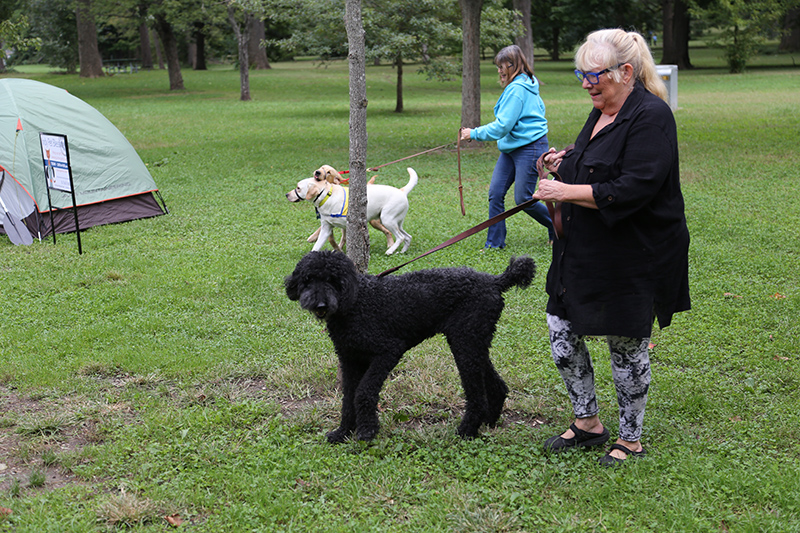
[(163, 372)]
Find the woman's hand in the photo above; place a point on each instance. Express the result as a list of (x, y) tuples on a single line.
[(552, 159), (465, 133), (550, 191)]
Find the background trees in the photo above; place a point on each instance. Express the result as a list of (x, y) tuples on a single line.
[(442, 38)]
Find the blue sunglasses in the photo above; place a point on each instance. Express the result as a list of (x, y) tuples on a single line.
[(594, 77)]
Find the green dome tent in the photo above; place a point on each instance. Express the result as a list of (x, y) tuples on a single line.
[(111, 182)]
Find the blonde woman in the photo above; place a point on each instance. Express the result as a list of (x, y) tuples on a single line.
[(623, 261)]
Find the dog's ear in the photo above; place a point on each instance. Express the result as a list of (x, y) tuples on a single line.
[(292, 286), (346, 274), (331, 175)]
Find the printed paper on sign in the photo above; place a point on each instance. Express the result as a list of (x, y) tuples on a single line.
[(56, 163)]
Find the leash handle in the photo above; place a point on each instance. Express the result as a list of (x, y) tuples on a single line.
[(553, 208), (461, 236)]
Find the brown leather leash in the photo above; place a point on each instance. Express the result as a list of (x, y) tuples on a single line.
[(458, 151), (460, 187), (461, 236), (554, 208), (374, 169)]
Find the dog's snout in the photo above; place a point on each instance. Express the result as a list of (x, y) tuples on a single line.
[(321, 310), (317, 174)]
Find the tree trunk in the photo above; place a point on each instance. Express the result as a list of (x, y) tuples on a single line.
[(147, 51), (170, 43), (88, 52), (357, 232), (159, 51), (555, 53), (242, 32), (258, 54), (471, 63), (525, 41), (398, 62), (199, 35), (675, 45), (790, 41)]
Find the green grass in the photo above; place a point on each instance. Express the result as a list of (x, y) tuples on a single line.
[(164, 371)]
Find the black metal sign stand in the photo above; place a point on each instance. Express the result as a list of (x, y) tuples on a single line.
[(58, 175)]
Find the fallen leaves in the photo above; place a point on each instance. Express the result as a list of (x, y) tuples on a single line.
[(174, 520), (4, 512)]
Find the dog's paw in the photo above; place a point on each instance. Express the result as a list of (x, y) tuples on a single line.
[(467, 431), (338, 436), (367, 433)]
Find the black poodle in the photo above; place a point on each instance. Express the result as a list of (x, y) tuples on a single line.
[(374, 320)]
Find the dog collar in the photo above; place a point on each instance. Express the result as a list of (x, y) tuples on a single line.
[(330, 191)]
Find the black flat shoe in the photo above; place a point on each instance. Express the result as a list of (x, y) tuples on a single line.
[(610, 460), (582, 439)]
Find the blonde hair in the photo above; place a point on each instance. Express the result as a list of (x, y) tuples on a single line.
[(513, 54), (610, 47)]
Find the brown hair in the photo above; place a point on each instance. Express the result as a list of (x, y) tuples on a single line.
[(513, 54), (606, 48)]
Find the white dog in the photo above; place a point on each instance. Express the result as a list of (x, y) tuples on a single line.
[(384, 203)]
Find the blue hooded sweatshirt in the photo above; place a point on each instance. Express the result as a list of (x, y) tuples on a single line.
[(519, 116)]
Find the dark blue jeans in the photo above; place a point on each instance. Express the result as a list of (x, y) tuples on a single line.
[(518, 168)]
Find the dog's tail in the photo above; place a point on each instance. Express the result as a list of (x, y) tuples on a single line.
[(519, 273), (412, 181)]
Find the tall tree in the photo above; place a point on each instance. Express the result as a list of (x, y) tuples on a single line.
[(525, 40), (166, 35), (676, 32), (743, 25), (13, 30), (257, 52), (240, 18), (790, 41), (357, 232), (401, 31), (471, 63), (88, 52)]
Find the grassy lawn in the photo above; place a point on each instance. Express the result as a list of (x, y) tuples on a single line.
[(164, 373)]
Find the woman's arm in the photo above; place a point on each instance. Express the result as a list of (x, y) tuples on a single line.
[(556, 191)]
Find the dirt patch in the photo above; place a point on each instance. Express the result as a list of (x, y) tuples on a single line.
[(42, 435)]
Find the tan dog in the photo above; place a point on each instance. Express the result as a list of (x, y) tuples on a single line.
[(388, 204), (331, 175)]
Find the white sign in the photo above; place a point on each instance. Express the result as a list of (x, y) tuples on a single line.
[(56, 161)]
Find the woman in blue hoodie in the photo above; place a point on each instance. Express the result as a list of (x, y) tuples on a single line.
[(520, 130)]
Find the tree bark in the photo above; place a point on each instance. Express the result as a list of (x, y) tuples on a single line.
[(357, 232), (146, 49), (398, 62), (676, 20), (200, 46), (258, 54), (525, 41), (242, 32), (159, 50), (790, 41), (170, 43), (144, 38), (88, 52), (471, 63), (554, 39)]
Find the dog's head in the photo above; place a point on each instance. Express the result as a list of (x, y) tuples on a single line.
[(306, 189), (324, 283), (329, 174)]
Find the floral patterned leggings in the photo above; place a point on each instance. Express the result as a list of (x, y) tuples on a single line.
[(630, 368)]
